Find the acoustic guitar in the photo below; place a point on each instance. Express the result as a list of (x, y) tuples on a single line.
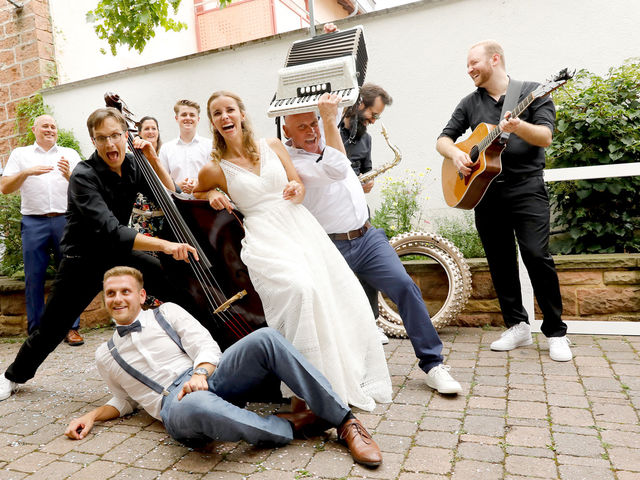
[(484, 146)]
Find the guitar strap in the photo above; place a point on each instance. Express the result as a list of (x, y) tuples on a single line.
[(510, 101)]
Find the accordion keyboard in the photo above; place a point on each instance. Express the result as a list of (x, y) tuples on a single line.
[(300, 86)]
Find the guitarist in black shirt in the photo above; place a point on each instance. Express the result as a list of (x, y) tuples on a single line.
[(515, 206)]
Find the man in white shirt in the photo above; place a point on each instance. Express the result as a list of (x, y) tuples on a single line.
[(166, 362), (41, 172), (335, 197), (183, 157)]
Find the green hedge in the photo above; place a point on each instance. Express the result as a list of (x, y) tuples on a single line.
[(598, 123)]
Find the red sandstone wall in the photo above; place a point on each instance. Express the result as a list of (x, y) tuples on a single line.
[(593, 287), (26, 61)]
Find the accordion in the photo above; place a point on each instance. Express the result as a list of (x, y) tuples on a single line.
[(334, 62)]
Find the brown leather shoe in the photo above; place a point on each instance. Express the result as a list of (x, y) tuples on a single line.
[(305, 423), (362, 447), (73, 338)]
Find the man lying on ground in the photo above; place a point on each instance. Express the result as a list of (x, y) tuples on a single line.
[(165, 361)]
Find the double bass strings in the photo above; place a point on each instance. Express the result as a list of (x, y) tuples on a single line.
[(183, 234)]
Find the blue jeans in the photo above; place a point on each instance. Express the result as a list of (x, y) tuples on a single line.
[(373, 260), (254, 364), (40, 235)]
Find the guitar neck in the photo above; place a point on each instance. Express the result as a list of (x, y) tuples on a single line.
[(495, 133)]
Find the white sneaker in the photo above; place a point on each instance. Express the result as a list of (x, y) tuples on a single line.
[(514, 337), (441, 380), (559, 349), (7, 387), (382, 336)]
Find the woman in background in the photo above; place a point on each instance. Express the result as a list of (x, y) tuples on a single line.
[(147, 218)]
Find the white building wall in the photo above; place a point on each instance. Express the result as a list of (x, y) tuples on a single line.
[(416, 51), (78, 47)]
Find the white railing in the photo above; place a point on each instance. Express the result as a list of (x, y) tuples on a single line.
[(580, 326)]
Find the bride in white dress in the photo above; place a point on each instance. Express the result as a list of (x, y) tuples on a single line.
[(308, 291)]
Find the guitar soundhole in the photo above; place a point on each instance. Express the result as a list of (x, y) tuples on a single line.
[(474, 154)]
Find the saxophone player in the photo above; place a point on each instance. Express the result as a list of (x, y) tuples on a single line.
[(336, 198)]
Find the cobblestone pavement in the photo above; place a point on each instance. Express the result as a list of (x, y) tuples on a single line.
[(521, 415)]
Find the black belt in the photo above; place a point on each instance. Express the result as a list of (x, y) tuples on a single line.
[(48, 215), (514, 178), (353, 234)]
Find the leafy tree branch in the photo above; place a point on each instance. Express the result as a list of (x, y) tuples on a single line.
[(134, 22)]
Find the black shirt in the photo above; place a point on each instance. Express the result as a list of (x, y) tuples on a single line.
[(358, 150), (520, 157), (99, 206)]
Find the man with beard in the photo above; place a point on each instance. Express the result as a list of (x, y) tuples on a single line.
[(335, 197), (515, 207), (357, 144), (353, 127)]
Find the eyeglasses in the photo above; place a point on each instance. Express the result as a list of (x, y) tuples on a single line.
[(376, 116), (114, 137)]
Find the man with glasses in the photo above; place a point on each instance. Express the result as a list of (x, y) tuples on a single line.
[(41, 173), (101, 193), (335, 197)]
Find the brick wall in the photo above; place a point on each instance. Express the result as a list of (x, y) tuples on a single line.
[(593, 287), (13, 310), (26, 61)]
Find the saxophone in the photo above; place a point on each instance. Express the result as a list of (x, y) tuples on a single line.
[(366, 177)]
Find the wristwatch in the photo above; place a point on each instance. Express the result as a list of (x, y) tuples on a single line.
[(201, 371)]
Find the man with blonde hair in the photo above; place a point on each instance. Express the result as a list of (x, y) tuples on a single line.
[(516, 205), (165, 361)]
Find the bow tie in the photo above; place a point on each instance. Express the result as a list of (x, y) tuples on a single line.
[(127, 329)]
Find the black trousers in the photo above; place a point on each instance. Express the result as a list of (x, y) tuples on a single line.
[(517, 209), (78, 281)]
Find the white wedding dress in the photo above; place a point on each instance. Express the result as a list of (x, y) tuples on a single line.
[(308, 291)]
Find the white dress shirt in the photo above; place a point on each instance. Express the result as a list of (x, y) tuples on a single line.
[(152, 352), (334, 194), (184, 160), (46, 193)]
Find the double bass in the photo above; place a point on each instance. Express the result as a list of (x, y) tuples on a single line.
[(216, 289)]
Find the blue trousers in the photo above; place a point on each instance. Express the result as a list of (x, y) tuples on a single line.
[(257, 362), (376, 262), (40, 236)]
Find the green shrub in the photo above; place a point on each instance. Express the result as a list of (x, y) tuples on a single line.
[(462, 232), (598, 123), (10, 241), (400, 209)]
